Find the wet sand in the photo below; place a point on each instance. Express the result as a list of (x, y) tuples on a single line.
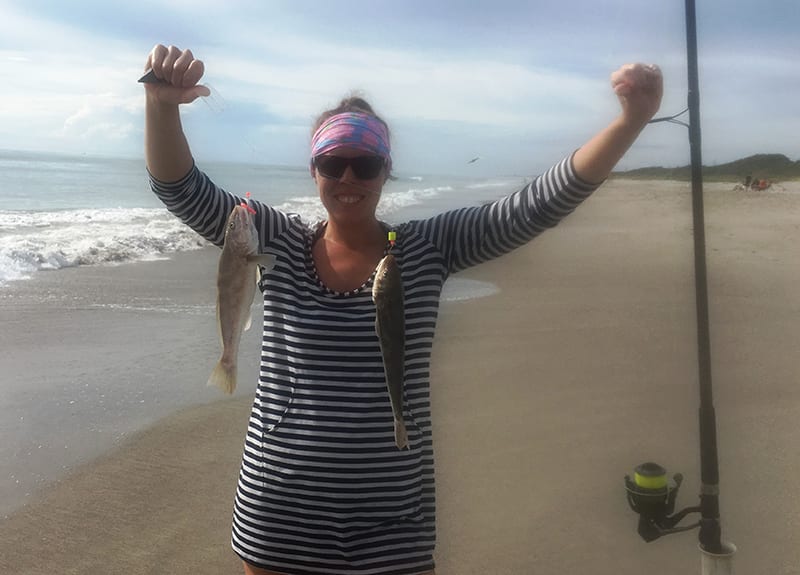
[(544, 396)]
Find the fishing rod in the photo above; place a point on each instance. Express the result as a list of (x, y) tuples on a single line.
[(650, 493)]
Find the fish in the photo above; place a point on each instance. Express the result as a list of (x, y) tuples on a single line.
[(387, 294), (240, 266)]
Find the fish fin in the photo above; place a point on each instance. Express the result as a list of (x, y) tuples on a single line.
[(266, 261), (400, 434), (224, 378)]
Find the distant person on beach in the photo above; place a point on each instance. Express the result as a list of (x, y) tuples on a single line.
[(322, 486)]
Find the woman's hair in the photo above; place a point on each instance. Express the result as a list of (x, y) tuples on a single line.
[(350, 103)]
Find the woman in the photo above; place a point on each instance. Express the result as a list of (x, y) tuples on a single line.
[(323, 489)]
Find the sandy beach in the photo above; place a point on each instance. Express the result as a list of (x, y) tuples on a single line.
[(544, 396)]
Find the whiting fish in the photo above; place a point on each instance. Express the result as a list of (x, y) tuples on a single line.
[(237, 277), (387, 293)]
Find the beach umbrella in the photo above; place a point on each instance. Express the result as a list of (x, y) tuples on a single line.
[(650, 493)]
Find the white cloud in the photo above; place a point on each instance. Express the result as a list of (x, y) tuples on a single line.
[(102, 116), (73, 88), (408, 86), (64, 90)]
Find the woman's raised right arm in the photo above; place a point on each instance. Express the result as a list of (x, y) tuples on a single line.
[(166, 150), (185, 190)]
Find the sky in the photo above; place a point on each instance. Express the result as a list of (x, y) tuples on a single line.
[(518, 83)]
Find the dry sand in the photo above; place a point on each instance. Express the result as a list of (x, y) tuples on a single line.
[(544, 396)]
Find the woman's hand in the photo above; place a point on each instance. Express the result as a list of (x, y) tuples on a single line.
[(639, 88), (179, 73)]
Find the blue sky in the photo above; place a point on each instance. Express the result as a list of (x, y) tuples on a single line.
[(518, 83)]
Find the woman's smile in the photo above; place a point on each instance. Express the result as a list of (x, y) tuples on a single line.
[(349, 198)]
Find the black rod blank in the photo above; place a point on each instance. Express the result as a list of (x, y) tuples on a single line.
[(710, 531)]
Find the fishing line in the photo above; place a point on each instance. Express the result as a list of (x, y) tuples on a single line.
[(671, 119), (215, 102)]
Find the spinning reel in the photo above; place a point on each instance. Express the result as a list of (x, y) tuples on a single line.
[(652, 495)]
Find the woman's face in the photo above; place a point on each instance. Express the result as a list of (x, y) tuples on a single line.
[(349, 198)]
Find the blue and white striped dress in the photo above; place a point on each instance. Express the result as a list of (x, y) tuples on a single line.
[(323, 489)]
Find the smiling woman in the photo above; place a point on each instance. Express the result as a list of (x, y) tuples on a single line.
[(323, 487), (350, 161)]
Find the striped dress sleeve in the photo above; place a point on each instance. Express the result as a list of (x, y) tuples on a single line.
[(203, 206), (470, 236)]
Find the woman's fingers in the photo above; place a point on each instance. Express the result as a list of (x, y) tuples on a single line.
[(168, 64), (193, 73), (179, 73)]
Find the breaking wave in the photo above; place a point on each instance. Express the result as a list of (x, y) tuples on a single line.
[(34, 241)]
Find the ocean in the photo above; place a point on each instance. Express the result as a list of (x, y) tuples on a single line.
[(59, 211)]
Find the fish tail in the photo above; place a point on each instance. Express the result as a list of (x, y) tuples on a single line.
[(224, 377), (400, 434)]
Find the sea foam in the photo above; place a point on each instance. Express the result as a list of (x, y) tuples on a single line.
[(58, 211), (34, 241)]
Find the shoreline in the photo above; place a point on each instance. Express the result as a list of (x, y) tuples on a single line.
[(97, 354), (544, 396), (82, 319)]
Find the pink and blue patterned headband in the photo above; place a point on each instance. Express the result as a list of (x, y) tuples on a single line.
[(355, 130)]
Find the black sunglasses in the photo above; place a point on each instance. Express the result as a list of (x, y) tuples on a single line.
[(364, 167)]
